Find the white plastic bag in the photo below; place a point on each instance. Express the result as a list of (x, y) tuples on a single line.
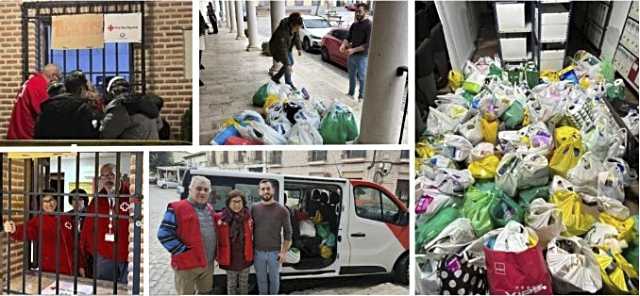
[(452, 181), (533, 171), (303, 133), (610, 184), (573, 266), (631, 120), (310, 116), (507, 174), (613, 207), (307, 228), (513, 238), (259, 131), (545, 219), (605, 236), (439, 123), (451, 239), (456, 147), (471, 130), (586, 171), (481, 151)]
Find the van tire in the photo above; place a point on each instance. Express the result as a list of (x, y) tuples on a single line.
[(401, 270), (306, 44), (164, 186)]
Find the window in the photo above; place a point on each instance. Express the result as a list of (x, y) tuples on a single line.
[(276, 157), (298, 3), (316, 24), (315, 2), (241, 157), (402, 190), (212, 158), (340, 34), (374, 204), (225, 157), (257, 156), (350, 154), (404, 154), (318, 156)]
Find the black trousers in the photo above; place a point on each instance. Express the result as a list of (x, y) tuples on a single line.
[(214, 23)]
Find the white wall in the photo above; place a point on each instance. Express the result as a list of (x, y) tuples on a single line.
[(618, 17), (460, 27)]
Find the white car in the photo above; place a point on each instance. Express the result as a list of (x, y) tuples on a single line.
[(368, 224), (314, 28)]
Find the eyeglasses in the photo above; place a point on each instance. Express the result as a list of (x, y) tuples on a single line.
[(48, 200)]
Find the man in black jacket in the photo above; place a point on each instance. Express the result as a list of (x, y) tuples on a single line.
[(282, 41), (68, 113)]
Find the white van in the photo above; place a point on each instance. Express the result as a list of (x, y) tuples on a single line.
[(370, 224)]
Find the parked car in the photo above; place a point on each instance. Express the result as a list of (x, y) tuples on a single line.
[(370, 224), (330, 50), (153, 179), (313, 29)]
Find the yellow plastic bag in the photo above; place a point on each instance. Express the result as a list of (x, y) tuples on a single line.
[(455, 79), (489, 130), (484, 168), (317, 219), (550, 76), (568, 151), (424, 150), (271, 99), (624, 227), (615, 271), (325, 252), (573, 216)]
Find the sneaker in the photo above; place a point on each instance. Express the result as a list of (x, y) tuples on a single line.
[(201, 83), (201, 67), (360, 98)]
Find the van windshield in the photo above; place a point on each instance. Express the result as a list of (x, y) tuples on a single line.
[(221, 186)]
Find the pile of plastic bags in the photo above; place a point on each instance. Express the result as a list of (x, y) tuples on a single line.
[(521, 183), (289, 117)]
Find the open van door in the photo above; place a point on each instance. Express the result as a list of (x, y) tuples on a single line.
[(378, 231)]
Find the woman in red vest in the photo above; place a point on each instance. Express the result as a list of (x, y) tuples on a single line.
[(235, 242), (45, 226)]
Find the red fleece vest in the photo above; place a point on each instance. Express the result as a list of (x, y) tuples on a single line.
[(224, 241), (189, 233)]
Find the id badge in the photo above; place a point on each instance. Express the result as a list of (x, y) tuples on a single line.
[(109, 237)]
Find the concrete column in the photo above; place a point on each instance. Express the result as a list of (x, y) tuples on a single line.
[(239, 20), (252, 24), (277, 13), (225, 4), (232, 17), (388, 49)]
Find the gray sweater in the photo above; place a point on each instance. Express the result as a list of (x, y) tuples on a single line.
[(207, 230), (269, 220)]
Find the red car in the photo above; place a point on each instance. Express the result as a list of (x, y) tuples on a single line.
[(330, 49)]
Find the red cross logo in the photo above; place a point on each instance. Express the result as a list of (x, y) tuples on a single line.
[(110, 27)]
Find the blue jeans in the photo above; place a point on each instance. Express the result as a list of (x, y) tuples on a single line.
[(105, 270), (286, 71), (267, 272), (357, 67)]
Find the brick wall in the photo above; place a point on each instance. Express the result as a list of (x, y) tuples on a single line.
[(165, 22), (10, 60), (17, 203)]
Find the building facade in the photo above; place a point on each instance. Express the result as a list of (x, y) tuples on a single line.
[(388, 168)]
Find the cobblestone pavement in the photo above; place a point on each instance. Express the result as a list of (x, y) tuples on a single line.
[(160, 272), (233, 75)]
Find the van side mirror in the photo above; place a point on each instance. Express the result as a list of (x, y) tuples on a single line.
[(403, 218)]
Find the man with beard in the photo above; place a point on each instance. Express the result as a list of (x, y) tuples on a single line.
[(188, 232), (356, 46), (270, 219), (109, 231)]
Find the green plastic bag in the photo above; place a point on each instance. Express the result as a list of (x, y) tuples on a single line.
[(478, 200), (322, 230), (528, 195), (514, 115), (607, 70), (427, 231), (631, 254), (505, 210), (339, 125), (260, 97)]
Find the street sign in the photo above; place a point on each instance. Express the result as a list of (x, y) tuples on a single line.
[(123, 27)]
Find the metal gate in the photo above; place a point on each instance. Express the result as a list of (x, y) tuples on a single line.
[(38, 180), (99, 65)]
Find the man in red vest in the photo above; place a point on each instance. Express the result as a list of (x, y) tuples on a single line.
[(188, 232), (27, 107), (110, 231)]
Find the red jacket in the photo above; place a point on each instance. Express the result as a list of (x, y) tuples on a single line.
[(27, 107), (49, 231), (105, 248), (223, 232), (188, 231)]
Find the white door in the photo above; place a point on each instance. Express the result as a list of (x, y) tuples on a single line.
[(371, 241)]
